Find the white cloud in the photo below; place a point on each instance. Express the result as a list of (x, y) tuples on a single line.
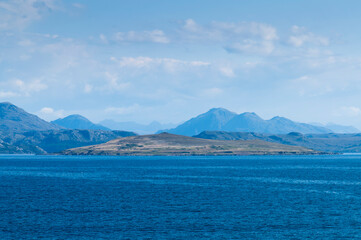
[(168, 64), (242, 37), (252, 47), (135, 108), (113, 82), (156, 36), (349, 111), (88, 88), (311, 86), (17, 14), (29, 87), (25, 43), (49, 113), (78, 5), (227, 71), (103, 38), (7, 94), (211, 92), (301, 37)]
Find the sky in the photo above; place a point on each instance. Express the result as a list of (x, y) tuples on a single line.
[(169, 61)]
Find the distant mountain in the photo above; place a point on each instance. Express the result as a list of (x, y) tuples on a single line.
[(76, 121), (15, 119), (166, 144), (220, 119), (51, 141), (136, 127), (215, 119), (328, 142), (338, 128)]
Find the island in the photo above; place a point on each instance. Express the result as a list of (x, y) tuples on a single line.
[(166, 144)]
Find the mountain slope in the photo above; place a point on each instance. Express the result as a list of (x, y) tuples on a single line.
[(171, 144), (283, 125), (41, 142), (15, 119), (76, 121), (214, 119), (246, 122)]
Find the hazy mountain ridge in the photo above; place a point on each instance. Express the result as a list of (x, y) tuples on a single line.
[(220, 119), (329, 142), (136, 127), (337, 128), (77, 121)]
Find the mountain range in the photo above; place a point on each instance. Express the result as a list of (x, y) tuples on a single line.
[(22, 132), (328, 142), (220, 119)]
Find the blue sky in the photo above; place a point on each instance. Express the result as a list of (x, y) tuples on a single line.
[(171, 60)]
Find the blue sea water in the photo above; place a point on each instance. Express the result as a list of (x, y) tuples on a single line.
[(249, 197)]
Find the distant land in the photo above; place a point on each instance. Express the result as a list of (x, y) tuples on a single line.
[(336, 128), (22, 132), (220, 119), (77, 121), (328, 142), (136, 127), (166, 144)]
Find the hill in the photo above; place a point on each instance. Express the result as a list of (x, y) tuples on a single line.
[(76, 121), (220, 119), (15, 119), (171, 144)]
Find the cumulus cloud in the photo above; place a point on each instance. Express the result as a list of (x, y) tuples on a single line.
[(301, 37), (156, 36)]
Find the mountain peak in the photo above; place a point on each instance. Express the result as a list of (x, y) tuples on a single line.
[(213, 120), (13, 118), (76, 121)]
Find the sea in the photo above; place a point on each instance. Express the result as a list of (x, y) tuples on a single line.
[(237, 197)]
